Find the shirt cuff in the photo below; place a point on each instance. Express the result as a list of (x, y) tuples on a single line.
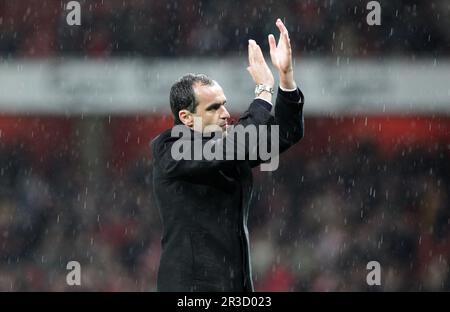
[(288, 90)]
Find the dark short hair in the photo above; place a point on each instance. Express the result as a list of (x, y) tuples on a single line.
[(182, 94)]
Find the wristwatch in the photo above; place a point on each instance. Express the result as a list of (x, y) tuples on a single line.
[(260, 88)]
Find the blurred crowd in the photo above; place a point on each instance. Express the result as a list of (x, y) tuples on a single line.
[(321, 220), (54, 213), (315, 222), (38, 28)]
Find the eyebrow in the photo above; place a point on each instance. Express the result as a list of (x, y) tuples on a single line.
[(215, 105)]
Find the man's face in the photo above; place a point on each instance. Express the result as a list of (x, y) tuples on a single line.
[(211, 107)]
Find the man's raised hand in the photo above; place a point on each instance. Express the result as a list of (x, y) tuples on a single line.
[(258, 68), (281, 56)]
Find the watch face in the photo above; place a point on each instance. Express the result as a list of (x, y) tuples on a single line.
[(261, 88)]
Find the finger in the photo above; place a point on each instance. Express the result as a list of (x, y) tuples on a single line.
[(286, 40), (249, 57), (272, 44), (286, 37), (280, 40), (284, 34), (250, 52), (281, 26), (259, 57), (273, 48), (250, 71), (255, 52)]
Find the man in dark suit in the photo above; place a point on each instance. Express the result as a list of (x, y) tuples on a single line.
[(204, 204)]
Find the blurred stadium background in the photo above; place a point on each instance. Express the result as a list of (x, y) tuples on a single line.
[(80, 104)]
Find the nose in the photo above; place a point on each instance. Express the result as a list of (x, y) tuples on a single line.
[(224, 113)]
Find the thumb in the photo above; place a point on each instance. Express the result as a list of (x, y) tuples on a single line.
[(250, 70), (273, 47), (272, 43)]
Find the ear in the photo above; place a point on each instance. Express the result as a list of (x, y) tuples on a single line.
[(186, 118)]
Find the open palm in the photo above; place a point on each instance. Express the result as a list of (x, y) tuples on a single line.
[(281, 54)]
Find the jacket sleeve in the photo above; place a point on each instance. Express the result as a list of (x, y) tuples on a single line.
[(257, 114), (289, 118)]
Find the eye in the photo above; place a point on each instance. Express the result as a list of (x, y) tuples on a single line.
[(214, 107)]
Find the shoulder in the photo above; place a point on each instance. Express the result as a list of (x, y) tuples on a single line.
[(163, 142), (160, 138), (160, 141)]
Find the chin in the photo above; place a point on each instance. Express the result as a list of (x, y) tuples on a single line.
[(215, 128)]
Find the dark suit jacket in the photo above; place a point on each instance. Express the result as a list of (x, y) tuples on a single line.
[(204, 206)]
